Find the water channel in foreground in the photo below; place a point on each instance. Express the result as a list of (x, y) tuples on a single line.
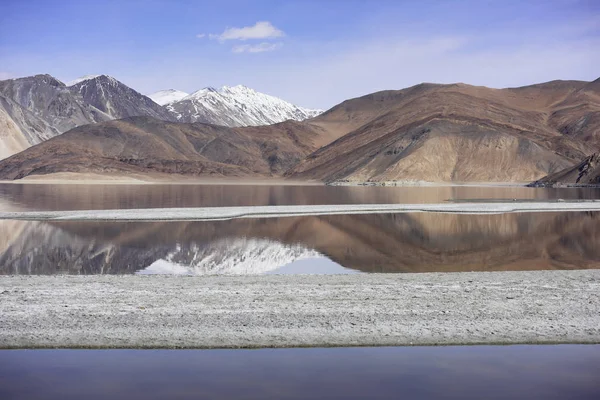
[(466, 372)]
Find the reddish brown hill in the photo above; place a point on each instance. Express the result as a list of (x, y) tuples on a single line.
[(456, 133)]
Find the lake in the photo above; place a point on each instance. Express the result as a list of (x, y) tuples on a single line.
[(93, 197), (467, 372), (391, 243)]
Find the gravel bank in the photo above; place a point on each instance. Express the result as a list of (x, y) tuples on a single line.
[(317, 310), (223, 213)]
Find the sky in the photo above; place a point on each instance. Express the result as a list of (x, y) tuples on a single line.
[(313, 53)]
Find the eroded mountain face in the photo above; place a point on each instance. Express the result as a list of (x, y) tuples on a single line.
[(368, 243), (40, 107), (117, 99)]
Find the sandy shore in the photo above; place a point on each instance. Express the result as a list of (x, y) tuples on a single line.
[(281, 311), (224, 213), (71, 178)]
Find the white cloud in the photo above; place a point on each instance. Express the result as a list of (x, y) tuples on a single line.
[(5, 75), (201, 35), (256, 48), (260, 30)]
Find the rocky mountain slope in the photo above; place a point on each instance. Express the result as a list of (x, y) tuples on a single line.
[(117, 99), (37, 108), (585, 173), (149, 147), (237, 106), (457, 133)]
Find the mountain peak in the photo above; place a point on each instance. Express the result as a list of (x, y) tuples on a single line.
[(96, 78), (81, 79), (42, 78)]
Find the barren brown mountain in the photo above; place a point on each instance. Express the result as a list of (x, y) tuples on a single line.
[(428, 132), (139, 146), (458, 133)]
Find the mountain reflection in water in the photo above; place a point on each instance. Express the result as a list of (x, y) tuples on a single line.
[(417, 242)]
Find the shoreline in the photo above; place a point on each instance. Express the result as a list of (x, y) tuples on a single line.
[(473, 308), (427, 184), (102, 180), (227, 213)]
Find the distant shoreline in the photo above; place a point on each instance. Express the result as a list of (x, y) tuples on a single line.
[(300, 310), (427, 184), (67, 178)]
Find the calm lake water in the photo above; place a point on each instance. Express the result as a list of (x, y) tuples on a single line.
[(92, 197), (393, 243), (472, 372)]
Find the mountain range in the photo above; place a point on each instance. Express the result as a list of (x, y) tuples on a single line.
[(428, 132), (36, 108)]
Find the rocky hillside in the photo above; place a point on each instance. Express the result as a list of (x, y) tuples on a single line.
[(149, 147), (585, 173)]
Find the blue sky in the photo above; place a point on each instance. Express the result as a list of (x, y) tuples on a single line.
[(313, 53)]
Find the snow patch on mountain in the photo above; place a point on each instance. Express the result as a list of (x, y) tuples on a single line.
[(237, 256), (164, 97), (81, 79), (237, 106)]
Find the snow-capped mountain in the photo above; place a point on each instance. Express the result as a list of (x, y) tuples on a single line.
[(236, 256), (237, 106), (164, 97), (117, 99)]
